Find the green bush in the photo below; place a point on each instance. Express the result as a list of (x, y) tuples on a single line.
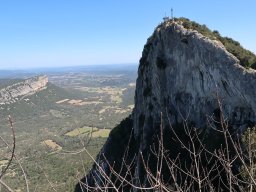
[(246, 57), (249, 141)]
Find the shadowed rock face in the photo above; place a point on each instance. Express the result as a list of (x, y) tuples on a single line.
[(185, 76), (24, 88)]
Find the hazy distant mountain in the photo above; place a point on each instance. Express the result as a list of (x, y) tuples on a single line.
[(25, 73)]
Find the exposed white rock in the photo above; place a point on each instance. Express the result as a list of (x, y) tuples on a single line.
[(183, 74), (17, 91)]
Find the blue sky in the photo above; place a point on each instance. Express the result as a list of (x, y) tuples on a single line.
[(51, 33)]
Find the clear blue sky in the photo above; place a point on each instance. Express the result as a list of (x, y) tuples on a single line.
[(43, 33)]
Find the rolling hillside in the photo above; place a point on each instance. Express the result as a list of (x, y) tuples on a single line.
[(52, 125)]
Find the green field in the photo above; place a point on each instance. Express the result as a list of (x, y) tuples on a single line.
[(56, 127), (80, 131), (104, 133)]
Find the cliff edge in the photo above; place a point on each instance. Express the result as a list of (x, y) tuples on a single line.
[(16, 91), (183, 76)]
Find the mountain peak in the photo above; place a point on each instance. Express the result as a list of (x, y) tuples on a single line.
[(186, 74), (246, 57)]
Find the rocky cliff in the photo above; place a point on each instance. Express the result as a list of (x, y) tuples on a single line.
[(183, 77), (17, 91)]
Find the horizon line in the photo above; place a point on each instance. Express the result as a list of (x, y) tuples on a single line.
[(60, 66)]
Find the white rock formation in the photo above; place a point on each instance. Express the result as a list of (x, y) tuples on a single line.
[(185, 77), (17, 91)]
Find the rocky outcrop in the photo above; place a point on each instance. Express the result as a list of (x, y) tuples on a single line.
[(17, 91), (183, 76)]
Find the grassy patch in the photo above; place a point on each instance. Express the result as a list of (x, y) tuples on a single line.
[(80, 131), (52, 144), (101, 133), (56, 113), (3, 162), (104, 133), (115, 93)]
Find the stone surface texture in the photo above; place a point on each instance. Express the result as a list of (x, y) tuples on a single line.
[(17, 91), (185, 76)]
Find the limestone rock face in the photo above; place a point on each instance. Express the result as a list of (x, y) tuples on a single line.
[(14, 92), (183, 76)]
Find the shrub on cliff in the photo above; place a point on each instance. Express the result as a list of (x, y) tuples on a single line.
[(246, 57), (181, 158)]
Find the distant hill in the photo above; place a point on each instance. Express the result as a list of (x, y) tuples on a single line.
[(14, 90), (24, 98), (107, 68)]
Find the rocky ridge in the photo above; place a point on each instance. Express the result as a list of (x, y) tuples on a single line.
[(17, 91), (183, 76)]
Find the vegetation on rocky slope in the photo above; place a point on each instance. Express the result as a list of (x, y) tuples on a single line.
[(246, 57), (187, 158)]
